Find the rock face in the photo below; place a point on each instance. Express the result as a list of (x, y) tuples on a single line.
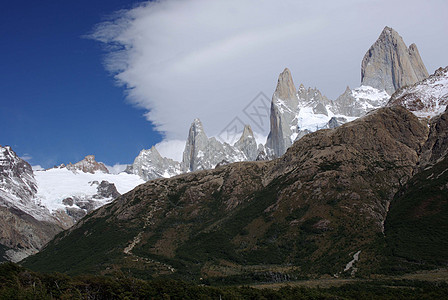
[(88, 165), (322, 201), (389, 65), (202, 153), (427, 98), (24, 226), (149, 164)]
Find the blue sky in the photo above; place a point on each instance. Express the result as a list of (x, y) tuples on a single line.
[(57, 101), (177, 60)]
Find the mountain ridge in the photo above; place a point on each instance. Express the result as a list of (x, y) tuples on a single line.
[(251, 213)]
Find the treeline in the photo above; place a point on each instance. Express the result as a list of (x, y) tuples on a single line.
[(17, 282)]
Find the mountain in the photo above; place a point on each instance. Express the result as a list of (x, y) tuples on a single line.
[(368, 196), (70, 192), (203, 153), (34, 206), (149, 164), (24, 225), (427, 98), (308, 110), (88, 165), (306, 212), (65, 194), (248, 145), (389, 65)]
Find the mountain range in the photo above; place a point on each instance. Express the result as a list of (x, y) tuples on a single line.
[(321, 196)]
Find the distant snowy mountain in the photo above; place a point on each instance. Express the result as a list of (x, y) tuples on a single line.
[(25, 226), (78, 188), (149, 164), (34, 206), (18, 187)]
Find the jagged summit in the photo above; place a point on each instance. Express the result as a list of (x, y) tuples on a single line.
[(88, 165), (247, 143), (389, 64), (149, 164), (16, 177), (247, 133), (24, 225), (285, 89), (202, 153)]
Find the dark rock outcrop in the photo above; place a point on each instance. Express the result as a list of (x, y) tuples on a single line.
[(107, 190)]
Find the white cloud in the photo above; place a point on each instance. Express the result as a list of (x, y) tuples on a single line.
[(171, 148), (117, 168), (37, 168), (26, 157), (199, 58)]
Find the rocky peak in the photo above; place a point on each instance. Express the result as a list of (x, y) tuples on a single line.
[(197, 141), (289, 111), (17, 183), (285, 89), (88, 165), (389, 64), (313, 98), (107, 190), (11, 165), (247, 144), (283, 108), (202, 153), (246, 135), (149, 164)]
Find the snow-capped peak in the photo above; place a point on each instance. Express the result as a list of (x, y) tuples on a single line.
[(427, 98)]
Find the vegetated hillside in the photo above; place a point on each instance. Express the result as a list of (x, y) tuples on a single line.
[(307, 212), (417, 223)]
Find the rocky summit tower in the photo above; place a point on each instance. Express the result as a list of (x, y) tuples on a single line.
[(389, 64)]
